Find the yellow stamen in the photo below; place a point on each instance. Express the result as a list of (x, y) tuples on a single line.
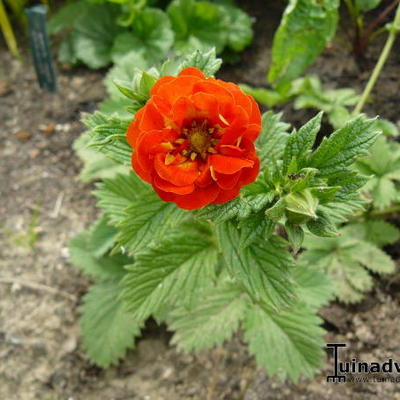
[(180, 140), (221, 117), (212, 150), (167, 145), (213, 173), (169, 159), (193, 156)]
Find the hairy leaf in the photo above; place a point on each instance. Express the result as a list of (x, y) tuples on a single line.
[(305, 29), (172, 270), (263, 267), (288, 343), (107, 329)]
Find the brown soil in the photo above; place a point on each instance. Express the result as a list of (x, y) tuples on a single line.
[(40, 350)]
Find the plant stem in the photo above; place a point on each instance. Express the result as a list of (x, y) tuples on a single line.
[(385, 211), (381, 62), (370, 31)]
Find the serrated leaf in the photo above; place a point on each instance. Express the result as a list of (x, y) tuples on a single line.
[(305, 29), (272, 139), (343, 147), (344, 259), (206, 61), (170, 270), (214, 318), (300, 143), (238, 27), (108, 330), (108, 135), (86, 256), (322, 226), (286, 344), (295, 235), (198, 25), (262, 268), (147, 219), (117, 194), (253, 227), (93, 35), (95, 165), (315, 288), (376, 231), (373, 258), (151, 37)]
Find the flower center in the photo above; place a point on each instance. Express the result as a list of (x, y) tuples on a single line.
[(199, 137)]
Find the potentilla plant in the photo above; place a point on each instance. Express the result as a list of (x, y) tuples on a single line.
[(200, 228)]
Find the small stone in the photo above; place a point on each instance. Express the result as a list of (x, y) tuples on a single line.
[(23, 136), (33, 154), (5, 88), (48, 129)]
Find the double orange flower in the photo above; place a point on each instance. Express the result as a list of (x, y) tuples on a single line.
[(194, 139)]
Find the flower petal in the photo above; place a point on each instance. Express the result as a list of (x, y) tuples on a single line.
[(227, 182), (192, 71), (229, 165), (180, 174), (169, 187), (201, 197)]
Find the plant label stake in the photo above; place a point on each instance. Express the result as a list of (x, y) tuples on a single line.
[(39, 40)]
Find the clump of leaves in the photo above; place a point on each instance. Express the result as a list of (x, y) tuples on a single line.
[(99, 33), (349, 258), (209, 272), (383, 164)]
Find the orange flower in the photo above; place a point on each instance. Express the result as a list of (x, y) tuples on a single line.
[(194, 139)]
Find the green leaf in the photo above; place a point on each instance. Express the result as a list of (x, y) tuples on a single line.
[(66, 17), (343, 147), (107, 329), (253, 227), (241, 207), (376, 231), (238, 27), (117, 194), (322, 226), (305, 29), (310, 93), (171, 270), (300, 143), (315, 288), (344, 258), (88, 252), (198, 25), (373, 258), (93, 35), (215, 317), (95, 165), (151, 37), (206, 61), (147, 219), (286, 344), (108, 135), (263, 267), (272, 139), (295, 235), (301, 204), (366, 5)]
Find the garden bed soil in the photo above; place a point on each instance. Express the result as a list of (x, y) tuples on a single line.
[(41, 356)]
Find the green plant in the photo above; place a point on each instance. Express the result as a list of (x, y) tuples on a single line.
[(98, 33), (207, 272)]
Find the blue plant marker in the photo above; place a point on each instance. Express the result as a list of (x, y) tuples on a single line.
[(39, 40)]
